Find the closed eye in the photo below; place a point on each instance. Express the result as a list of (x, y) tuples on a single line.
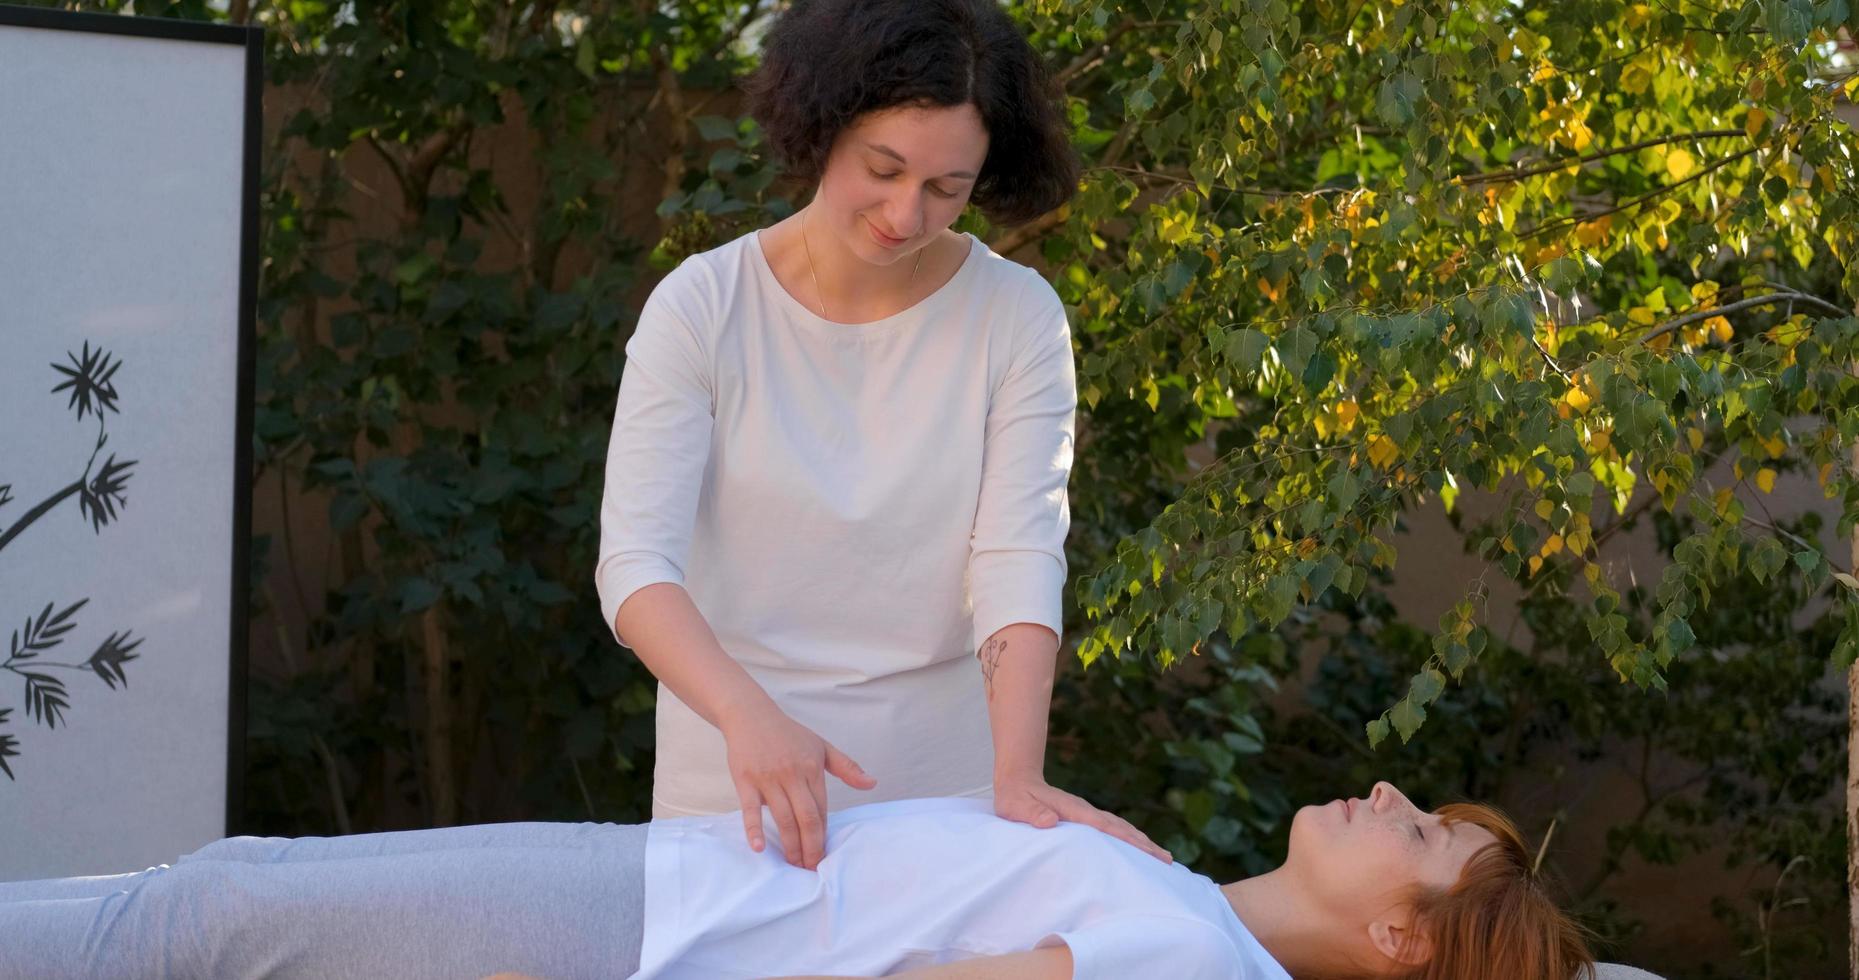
[(880, 176), (1422, 834)]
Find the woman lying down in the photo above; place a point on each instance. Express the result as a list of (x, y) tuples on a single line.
[(929, 888)]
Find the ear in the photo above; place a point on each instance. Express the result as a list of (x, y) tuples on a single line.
[(1394, 936)]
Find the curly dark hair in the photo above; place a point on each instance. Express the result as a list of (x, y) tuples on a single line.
[(827, 62)]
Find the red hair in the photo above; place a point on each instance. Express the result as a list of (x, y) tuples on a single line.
[(1497, 920)]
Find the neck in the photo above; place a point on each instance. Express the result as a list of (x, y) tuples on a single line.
[(1296, 930), (848, 282)]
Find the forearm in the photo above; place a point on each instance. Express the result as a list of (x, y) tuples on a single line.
[(676, 644), (1017, 666)]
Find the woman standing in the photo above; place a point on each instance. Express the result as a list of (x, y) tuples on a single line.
[(835, 506)]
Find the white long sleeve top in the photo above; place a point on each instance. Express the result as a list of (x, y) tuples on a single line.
[(854, 509)]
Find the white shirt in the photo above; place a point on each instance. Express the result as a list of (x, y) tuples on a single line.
[(852, 508), (917, 882)]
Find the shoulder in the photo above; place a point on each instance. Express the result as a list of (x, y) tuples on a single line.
[(1030, 317), (691, 304), (695, 285), (1025, 288)]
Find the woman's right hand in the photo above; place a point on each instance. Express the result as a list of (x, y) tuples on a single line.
[(779, 763)]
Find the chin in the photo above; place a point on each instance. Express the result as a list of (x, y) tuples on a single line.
[(1308, 829)]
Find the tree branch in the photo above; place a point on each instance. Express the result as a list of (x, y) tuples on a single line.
[(1561, 223), (1176, 178), (1742, 304), (1038, 228), (1494, 176), (37, 512), (1553, 366)]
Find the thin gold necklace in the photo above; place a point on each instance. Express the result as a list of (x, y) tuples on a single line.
[(816, 275)]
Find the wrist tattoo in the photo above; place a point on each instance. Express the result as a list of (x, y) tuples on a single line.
[(990, 655)]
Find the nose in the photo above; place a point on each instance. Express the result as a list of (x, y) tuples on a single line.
[(1384, 796), (904, 214)]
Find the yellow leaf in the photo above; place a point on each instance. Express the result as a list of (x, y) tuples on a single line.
[(1720, 328), (1641, 315), (1592, 233), (1578, 400), (1826, 470), (1346, 413), (1580, 135), (1382, 451), (1599, 441), (1752, 123), (1266, 288), (1578, 541), (1536, 564), (1765, 479), (1696, 439), (1553, 546), (1660, 343), (1680, 163), (1544, 508), (1722, 499), (1773, 445)]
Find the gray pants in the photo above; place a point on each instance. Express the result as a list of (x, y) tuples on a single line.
[(555, 900)]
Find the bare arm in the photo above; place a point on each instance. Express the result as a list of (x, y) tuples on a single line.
[(1051, 963), (1017, 664), (774, 761), (677, 645)]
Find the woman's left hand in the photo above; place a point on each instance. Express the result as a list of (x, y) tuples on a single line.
[(1030, 800)]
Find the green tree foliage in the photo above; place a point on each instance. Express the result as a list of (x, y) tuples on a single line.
[(1463, 246), (1578, 262)]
